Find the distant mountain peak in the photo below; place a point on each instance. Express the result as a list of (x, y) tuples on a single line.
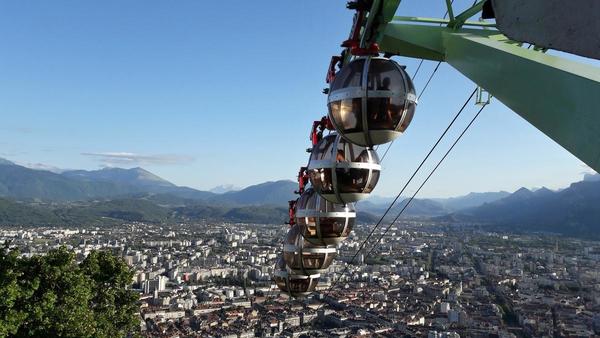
[(137, 176), (543, 191), (522, 190), (44, 167), (4, 161), (223, 188), (272, 192), (572, 211), (520, 194), (591, 177)]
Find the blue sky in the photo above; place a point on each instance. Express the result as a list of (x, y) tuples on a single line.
[(205, 93)]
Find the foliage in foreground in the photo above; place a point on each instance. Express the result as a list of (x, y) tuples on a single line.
[(53, 296)]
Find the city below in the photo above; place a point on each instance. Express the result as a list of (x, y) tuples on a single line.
[(300, 169), (424, 278)]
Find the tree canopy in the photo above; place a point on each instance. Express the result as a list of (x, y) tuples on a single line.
[(53, 296)]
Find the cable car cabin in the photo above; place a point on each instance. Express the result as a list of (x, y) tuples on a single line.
[(304, 257), (323, 222), (342, 172), (294, 285), (371, 101)]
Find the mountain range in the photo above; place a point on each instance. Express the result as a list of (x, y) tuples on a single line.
[(572, 211), (33, 196), (19, 182)]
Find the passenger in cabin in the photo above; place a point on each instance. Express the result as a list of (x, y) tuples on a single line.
[(340, 156), (379, 108)]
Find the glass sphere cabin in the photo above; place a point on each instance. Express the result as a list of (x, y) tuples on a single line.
[(323, 222), (304, 257), (295, 285), (343, 172), (371, 101)]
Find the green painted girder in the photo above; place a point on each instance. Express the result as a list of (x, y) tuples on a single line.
[(462, 17), (445, 22), (560, 97)]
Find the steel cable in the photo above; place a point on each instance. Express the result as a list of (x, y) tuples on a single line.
[(364, 242)]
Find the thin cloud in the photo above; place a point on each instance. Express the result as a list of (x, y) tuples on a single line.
[(587, 169), (44, 167), (125, 158), (12, 153), (20, 130)]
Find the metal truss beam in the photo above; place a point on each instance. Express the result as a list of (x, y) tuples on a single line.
[(558, 96)]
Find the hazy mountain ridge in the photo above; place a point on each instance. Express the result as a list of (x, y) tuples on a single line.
[(19, 182), (223, 188), (418, 207), (39, 197), (573, 211), (4, 161), (29, 196), (23, 183), (429, 206), (470, 200), (134, 177), (270, 193)]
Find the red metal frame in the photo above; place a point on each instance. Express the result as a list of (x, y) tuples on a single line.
[(292, 212), (335, 60), (352, 44), (316, 133), (302, 180), (373, 50)]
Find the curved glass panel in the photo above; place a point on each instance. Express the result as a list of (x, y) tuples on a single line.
[(348, 229), (351, 180), (348, 180), (385, 74), (332, 226), (374, 156), (317, 261), (349, 76), (345, 152), (322, 150), (293, 284), (410, 112), (411, 86), (304, 256), (292, 260), (327, 206), (373, 182), (310, 230), (280, 281), (328, 227), (313, 261), (347, 114), (353, 152), (303, 200), (292, 235), (384, 112), (321, 180), (299, 285), (280, 264), (302, 285)]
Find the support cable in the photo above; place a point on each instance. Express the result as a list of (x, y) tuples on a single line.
[(417, 71), (418, 98), (426, 179), (426, 84), (399, 194)]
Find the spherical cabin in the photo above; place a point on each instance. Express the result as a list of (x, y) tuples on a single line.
[(323, 222), (295, 285), (371, 101), (304, 257), (343, 172)]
